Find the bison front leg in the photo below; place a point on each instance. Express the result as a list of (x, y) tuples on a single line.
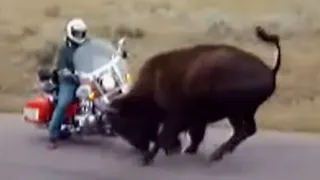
[(176, 147), (243, 128), (148, 156), (167, 140), (168, 137), (196, 133)]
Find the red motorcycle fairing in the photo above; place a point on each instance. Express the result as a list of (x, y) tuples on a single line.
[(39, 110)]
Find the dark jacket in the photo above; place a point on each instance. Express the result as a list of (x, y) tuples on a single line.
[(65, 60)]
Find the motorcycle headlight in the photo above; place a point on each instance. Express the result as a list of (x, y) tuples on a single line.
[(83, 91), (128, 78), (108, 82)]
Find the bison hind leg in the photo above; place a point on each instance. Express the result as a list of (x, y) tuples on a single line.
[(243, 127)]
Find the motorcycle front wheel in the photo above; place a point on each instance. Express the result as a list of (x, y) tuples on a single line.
[(64, 134)]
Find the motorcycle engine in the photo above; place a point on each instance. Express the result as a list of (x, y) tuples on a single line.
[(83, 91)]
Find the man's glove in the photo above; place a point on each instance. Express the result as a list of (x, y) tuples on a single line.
[(68, 75)]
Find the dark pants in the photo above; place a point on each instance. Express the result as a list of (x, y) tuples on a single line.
[(65, 98)]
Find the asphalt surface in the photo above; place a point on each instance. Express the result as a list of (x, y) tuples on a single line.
[(266, 156)]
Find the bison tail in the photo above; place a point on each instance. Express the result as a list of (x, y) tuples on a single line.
[(273, 39)]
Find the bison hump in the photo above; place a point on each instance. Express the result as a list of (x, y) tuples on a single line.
[(227, 70)]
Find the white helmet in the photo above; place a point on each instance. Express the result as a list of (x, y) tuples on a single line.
[(76, 30)]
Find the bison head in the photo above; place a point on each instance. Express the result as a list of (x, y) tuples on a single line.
[(134, 119)]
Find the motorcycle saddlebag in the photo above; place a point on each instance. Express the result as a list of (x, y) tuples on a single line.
[(38, 110)]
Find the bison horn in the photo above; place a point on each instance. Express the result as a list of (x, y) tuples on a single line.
[(110, 109), (104, 107)]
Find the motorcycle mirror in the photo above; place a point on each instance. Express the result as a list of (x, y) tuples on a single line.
[(121, 43), (121, 52), (124, 54)]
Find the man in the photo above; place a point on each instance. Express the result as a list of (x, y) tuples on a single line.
[(76, 35)]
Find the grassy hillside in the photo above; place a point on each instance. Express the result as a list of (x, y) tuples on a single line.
[(157, 25)]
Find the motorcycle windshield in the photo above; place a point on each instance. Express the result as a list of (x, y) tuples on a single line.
[(95, 56)]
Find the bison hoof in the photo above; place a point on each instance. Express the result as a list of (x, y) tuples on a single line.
[(145, 161), (166, 151), (216, 156), (175, 150), (191, 150)]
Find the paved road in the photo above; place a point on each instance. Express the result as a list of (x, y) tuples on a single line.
[(267, 156)]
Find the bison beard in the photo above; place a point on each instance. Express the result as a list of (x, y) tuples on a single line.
[(187, 89)]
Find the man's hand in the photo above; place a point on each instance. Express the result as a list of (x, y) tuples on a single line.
[(66, 73)]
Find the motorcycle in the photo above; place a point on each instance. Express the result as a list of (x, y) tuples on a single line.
[(102, 72)]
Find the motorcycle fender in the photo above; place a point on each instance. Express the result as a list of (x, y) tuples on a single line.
[(38, 110), (72, 110)]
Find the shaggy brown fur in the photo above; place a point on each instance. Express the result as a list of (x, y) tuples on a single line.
[(188, 88)]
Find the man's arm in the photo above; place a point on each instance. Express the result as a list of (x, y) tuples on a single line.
[(65, 67), (61, 62)]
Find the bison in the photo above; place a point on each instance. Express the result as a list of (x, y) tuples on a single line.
[(188, 88)]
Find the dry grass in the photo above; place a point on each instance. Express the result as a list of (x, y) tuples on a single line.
[(30, 31)]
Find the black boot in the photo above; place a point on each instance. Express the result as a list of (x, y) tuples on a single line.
[(52, 143)]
